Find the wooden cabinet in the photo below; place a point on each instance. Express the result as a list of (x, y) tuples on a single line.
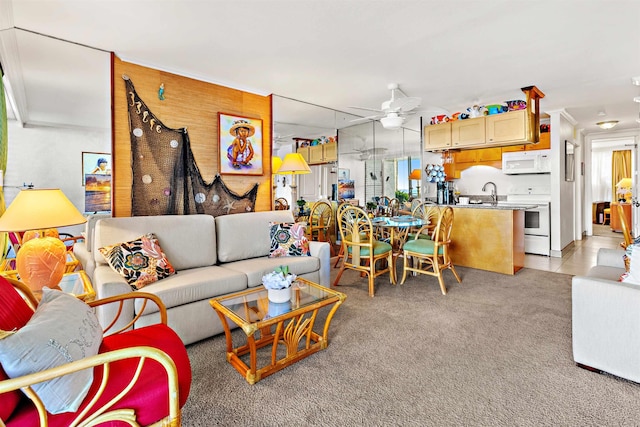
[(304, 152), (437, 136), (318, 154), (507, 127), (520, 127), (616, 221), (544, 144), (469, 132), (482, 156)]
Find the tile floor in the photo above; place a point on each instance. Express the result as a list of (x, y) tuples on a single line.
[(581, 257)]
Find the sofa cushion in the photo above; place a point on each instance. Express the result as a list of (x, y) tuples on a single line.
[(140, 261), (288, 239), (246, 235), (255, 268), (62, 329), (147, 397), (193, 285), (605, 272), (179, 235)]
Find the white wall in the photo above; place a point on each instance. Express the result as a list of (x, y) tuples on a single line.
[(49, 157)]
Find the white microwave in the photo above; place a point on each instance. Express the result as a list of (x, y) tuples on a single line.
[(522, 162)]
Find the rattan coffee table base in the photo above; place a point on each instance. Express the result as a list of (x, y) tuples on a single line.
[(291, 333)]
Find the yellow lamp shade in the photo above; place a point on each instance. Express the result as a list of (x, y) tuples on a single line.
[(294, 164), (41, 262), (276, 162)]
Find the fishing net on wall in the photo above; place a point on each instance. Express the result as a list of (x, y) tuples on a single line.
[(166, 178)]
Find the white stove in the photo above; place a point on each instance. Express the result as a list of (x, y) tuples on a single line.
[(537, 228)]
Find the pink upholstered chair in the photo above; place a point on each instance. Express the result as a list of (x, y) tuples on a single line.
[(141, 374)]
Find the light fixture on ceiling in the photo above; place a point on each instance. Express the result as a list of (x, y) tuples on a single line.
[(607, 124), (636, 98), (392, 121), (635, 81)]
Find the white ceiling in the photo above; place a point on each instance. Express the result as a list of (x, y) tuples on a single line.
[(453, 54)]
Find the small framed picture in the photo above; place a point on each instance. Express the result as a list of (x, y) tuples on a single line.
[(95, 164), (240, 145), (343, 174)]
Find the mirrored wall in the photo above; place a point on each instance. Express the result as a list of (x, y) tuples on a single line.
[(371, 161)]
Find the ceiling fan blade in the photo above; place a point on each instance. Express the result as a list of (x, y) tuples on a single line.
[(362, 119), (367, 108), (405, 104)]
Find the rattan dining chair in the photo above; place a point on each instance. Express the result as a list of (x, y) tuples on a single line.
[(431, 257), (340, 256), (429, 212), (362, 252), (281, 204), (320, 221)]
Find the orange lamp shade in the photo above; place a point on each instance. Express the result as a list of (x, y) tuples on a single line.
[(41, 262)]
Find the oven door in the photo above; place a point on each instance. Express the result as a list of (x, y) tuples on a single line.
[(536, 220)]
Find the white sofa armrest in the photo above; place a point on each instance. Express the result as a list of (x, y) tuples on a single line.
[(605, 323), (322, 250), (611, 257), (108, 283)]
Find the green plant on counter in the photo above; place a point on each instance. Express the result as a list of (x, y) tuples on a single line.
[(402, 196), (301, 203), (372, 206)]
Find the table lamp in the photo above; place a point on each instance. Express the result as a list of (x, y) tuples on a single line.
[(294, 164), (624, 189), (276, 162), (40, 261), (415, 174)]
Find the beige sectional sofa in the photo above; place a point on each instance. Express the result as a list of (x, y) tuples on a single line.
[(212, 257), (606, 318)]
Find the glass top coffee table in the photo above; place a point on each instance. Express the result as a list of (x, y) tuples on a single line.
[(288, 328)]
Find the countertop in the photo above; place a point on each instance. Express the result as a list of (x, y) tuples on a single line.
[(499, 205)]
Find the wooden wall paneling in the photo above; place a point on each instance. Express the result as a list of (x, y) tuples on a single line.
[(192, 104)]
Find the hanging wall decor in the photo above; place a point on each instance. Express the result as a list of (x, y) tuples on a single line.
[(165, 176), (240, 145)]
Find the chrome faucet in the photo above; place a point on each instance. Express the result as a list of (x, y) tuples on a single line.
[(494, 191)]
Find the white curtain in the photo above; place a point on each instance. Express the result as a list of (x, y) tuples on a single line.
[(601, 175)]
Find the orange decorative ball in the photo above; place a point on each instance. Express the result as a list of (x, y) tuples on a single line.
[(41, 262)]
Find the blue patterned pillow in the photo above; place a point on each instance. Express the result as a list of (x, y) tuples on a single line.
[(288, 239)]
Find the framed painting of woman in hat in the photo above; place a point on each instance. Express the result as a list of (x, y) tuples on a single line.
[(240, 145)]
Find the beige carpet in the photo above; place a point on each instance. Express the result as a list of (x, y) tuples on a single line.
[(495, 351)]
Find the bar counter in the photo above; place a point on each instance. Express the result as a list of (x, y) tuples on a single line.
[(489, 237)]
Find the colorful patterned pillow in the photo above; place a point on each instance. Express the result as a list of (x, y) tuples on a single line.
[(288, 239), (140, 261), (632, 260)]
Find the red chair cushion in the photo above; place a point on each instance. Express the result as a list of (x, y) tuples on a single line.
[(14, 314), (148, 397)]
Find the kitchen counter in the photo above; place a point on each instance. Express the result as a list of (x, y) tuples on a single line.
[(489, 237), (499, 205)]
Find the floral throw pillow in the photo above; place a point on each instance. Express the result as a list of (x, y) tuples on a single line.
[(632, 262), (288, 239), (140, 261)]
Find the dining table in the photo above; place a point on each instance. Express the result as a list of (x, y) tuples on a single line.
[(395, 230)]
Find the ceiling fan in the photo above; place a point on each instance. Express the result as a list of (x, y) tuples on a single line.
[(366, 153), (280, 140), (393, 111)]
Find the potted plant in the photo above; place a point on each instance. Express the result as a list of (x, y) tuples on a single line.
[(278, 284)]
